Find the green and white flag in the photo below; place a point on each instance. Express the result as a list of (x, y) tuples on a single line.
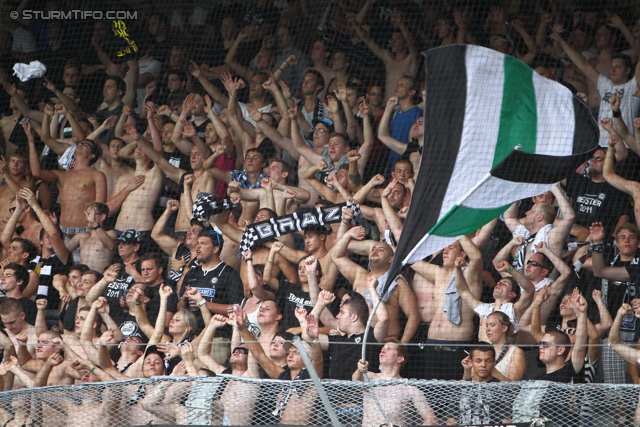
[(495, 132)]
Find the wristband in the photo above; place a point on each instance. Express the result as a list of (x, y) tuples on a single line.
[(202, 302), (92, 369), (270, 262), (616, 114), (96, 227), (248, 259), (508, 270), (599, 248)]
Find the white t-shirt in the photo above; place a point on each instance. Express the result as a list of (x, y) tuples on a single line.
[(152, 66), (629, 104), (245, 112)]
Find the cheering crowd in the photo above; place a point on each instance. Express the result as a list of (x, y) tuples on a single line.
[(123, 212)]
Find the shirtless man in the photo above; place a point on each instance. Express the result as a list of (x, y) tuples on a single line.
[(22, 251), (14, 176), (454, 327), (78, 186), (506, 294), (250, 177), (48, 343), (315, 239), (260, 255), (398, 298), (201, 180), (97, 245), (277, 172), (13, 317), (538, 226), (401, 61), (392, 398), (22, 215), (237, 398), (135, 197), (321, 131), (114, 166)]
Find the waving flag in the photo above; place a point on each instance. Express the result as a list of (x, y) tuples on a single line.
[(495, 132)]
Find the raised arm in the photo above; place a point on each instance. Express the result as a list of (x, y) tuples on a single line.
[(463, 288), (211, 89), (131, 81), (167, 243), (597, 260), (34, 161), (371, 44), (576, 57), (579, 304), (474, 266), (629, 354), (348, 268), (230, 59), (49, 226), (606, 321), (629, 187), (561, 230)]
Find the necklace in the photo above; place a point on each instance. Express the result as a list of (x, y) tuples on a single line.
[(322, 255)]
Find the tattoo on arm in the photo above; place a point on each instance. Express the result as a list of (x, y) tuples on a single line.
[(355, 179)]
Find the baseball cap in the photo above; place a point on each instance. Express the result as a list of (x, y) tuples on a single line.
[(328, 123), (307, 348), (129, 236)]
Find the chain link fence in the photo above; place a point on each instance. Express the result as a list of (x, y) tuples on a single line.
[(231, 400)]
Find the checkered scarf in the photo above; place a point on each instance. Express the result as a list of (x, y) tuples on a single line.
[(298, 221), (205, 205)]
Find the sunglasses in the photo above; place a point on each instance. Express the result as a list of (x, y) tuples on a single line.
[(546, 344), (296, 352), (215, 233), (240, 350), (534, 263), (597, 158)]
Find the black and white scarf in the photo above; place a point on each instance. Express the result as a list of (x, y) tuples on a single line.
[(205, 205), (298, 221)]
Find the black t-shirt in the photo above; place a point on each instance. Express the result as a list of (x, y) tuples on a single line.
[(30, 310), (46, 269), (566, 374), (200, 129), (117, 289), (596, 202), (174, 276), (222, 285), (68, 315), (180, 160), (153, 306), (106, 113), (344, 355), (615, 293), (290, 296)]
